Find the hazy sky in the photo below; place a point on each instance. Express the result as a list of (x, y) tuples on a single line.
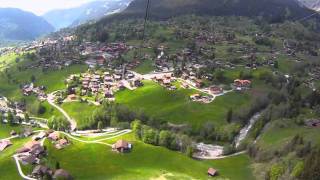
[(40, 7)]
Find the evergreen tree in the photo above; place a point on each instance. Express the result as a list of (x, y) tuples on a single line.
[(10, 118), (57, 165), (1, 118), (189, 151), (26, 117), (229, 115), (100, 125), (136, 126), (276, 64)]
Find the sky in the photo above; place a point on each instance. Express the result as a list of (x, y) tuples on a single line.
[(40, 7)]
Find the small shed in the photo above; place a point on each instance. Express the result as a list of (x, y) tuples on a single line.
[(212, 172)]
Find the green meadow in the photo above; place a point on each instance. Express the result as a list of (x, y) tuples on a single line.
[(176, 106), (279, 133), (144, 162), (81, 112)]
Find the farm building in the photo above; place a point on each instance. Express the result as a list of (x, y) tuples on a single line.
[(121, 146)]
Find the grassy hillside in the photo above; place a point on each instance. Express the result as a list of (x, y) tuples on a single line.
[(176, 106), (144, 162), (81, 112)]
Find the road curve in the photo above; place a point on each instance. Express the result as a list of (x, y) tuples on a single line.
[(73, 123), (15, 157)]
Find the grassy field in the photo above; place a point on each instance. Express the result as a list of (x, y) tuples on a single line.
[(81, 112), (6, 129), (144, 162), (176, 107), (50, 111), (52, 79), (7, 60), (279, 133), (145, 67)]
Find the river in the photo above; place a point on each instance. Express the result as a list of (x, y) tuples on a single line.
[(245, 130)]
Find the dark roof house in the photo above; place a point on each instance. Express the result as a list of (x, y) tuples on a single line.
[(41, 170), (62, 174)]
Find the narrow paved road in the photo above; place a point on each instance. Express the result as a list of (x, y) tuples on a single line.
[(15, 157), (99, 140), (219, 157), (50, 100)]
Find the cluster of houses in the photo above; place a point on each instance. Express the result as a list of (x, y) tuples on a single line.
[(60, 142), (41, 171), (6, 142), (191, 78), (103, 54), (201, 98), (55, 54), (108, 83), (32, 152), (162, 63), (30, 89), (165, 80)]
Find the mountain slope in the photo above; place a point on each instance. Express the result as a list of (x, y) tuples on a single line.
[(87, 12), (312, 4), (16, 24), (271, 10)]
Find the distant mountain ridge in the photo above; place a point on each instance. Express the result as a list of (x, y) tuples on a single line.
[(87, 12), (16, 24)]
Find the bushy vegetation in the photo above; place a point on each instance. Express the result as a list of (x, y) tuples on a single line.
[(165, 138), (58, 123)]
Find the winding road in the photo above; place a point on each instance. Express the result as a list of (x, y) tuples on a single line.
[(16, 158), (73, 123)]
